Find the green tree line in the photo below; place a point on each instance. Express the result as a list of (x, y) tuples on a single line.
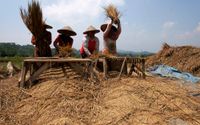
[(12, 49)]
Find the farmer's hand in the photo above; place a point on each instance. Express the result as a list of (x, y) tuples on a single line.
[(111, 21), (117, 21)]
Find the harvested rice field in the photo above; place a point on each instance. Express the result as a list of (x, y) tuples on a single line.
[(73, 100)]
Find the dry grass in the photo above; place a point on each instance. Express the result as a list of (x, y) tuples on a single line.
[(76, 101), (184, 58), (112, 12), (33, 18), (165, 46)]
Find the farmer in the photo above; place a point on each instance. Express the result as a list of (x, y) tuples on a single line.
[(90, 45), (110, 36), (43, 49), (64, 38)]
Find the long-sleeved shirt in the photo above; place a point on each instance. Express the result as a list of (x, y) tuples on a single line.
[(89, 45)]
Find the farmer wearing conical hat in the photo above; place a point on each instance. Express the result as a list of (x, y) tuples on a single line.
[(46, 40), (110, 36), (112, 30), (64, 40), (90, 43)]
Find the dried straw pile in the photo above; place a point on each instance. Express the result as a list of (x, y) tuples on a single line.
[(112, 12), (78, 102), (184, 58), (33, 18)]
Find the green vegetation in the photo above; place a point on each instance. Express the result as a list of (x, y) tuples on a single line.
[(12, 49), (14, 53), (17, 61)]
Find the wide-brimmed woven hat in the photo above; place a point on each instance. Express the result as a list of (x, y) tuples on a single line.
[(46, 26), (67, 30), (104, 26), (91, 29)]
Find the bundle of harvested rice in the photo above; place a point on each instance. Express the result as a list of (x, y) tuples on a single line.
[(112, 12), (33, 18), (65, 51)]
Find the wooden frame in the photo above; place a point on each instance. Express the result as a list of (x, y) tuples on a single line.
[(46, 63), (137, 65)]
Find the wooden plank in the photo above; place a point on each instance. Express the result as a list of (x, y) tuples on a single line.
[(42, 58), (31, 68), (122, 58), (92, 72), (122, 67), (64, 70), (58, 60), (105, 68), (23, 75), (143, 68), (38, 72)]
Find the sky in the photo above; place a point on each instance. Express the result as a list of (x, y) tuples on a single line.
[(146, 24)]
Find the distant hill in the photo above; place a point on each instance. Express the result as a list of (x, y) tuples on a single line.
[(134, 54)]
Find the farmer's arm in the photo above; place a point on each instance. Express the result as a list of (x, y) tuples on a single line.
[(108, 28), (56, 42), (119, 28)]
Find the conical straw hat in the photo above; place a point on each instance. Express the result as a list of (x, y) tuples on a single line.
[(91, 29), (67, 30)]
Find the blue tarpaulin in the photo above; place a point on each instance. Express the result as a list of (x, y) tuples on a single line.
[(167, 71)]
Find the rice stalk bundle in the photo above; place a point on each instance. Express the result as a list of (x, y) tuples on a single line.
[(33, 18), (65, 51), (165, 46), (112, 12)]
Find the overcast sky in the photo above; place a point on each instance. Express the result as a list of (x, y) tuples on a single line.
[(146, 24)]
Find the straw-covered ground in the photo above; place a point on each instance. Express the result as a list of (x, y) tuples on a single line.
[(58, 100)]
